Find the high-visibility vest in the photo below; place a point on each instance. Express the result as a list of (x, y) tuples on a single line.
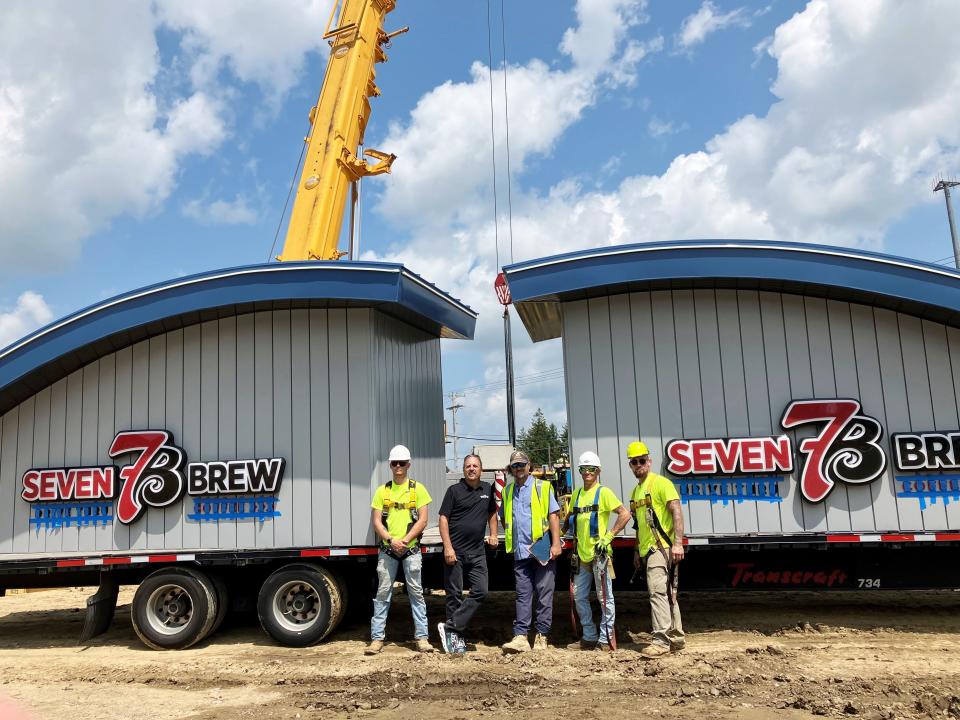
[(539, 511)]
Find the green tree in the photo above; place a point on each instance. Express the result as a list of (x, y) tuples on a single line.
[(565, 440), (541, 441)]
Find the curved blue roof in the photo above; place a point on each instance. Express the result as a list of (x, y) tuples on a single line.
[(922, 289), (67, 344)]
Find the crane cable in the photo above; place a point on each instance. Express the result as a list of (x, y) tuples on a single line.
[(506, 119), (293, 182), (493, 139)]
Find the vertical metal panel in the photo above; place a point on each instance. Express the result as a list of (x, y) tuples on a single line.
[(340, 469), (71, 535), (733, 392), (106, 396), (140, 418), (156, 420), (824, 386), (943, 396), (801, 386), (919, 400), (580, 403), (282, 411), (246, 411), (263, 405), (226, 413), (192, 403), (624, 381), (174, 516), (21, 520), (759, 415), (88, 438), (840, 381), (209, 415), (9, 482), (122, 408), (360, 348), (847, 368), (321, 503), (604, 392), (895, 400), (953, 346), (37, 537), (299, 496), (882, 513)]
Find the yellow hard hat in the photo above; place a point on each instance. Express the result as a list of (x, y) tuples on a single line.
[(637, 449)]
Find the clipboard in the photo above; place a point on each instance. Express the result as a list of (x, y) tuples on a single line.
[(541, 549)]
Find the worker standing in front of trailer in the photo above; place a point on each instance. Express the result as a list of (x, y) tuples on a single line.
[(530, 511), (655, 505), (399, 517), (589, 518)]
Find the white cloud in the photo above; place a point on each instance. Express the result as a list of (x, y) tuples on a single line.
[(707, 20), (30, 313), (259, 42), (661, 128), (221, 212)]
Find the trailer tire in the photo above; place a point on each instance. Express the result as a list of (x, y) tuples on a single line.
[(174, 608), (299, 605), (223, 602)]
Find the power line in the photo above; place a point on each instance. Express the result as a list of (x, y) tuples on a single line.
[(506, 118), (552, 374), (493, 139)]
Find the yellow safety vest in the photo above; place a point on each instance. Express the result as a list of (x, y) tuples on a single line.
[(539, 512)]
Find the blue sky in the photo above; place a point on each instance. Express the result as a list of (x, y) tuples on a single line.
[(144, 141)]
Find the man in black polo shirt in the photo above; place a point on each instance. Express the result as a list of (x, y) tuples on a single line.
[(467, 514)]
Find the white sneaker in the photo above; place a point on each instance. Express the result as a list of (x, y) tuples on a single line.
[(444, 639)]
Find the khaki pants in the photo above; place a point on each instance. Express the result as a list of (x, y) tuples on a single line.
[(665, 633)]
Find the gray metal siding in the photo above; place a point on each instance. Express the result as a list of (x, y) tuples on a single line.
[(725, 363), (407, 389), (328, 390)]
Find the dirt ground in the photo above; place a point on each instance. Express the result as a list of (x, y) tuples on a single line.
[(876, 655)]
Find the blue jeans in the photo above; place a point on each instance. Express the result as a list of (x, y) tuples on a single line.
[(587, 575), (387, 567)]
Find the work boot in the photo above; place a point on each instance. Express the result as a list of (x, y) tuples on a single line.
[(582, 645), (423, 645), (654, 651), (519, 644), (540, 642), (605, 647), (373, 648), (677, 647)]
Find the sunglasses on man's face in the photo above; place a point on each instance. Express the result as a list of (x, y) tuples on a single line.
[(517, 466), (398, 463), (638, 461), (589, 469)]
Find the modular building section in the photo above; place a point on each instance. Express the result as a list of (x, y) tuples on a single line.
[(792, 392), (246, 409)]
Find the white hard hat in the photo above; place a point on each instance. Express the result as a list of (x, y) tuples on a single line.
[(589, 458), (399, 452)]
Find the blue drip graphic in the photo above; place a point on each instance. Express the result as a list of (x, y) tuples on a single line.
[(929, 489), (257, 507), (764, 488), (77, 514)]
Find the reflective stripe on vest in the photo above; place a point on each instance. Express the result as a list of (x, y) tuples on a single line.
[(539, 512), (594, 511)]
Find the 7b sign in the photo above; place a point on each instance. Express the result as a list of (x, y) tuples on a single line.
[(847, 448)]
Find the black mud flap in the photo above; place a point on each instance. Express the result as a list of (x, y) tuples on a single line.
[(100, 608)]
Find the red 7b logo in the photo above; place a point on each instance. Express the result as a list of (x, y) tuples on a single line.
[(847, 448), (154, 479)]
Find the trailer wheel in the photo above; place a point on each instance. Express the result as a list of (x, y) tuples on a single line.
[(299, 605), (223, 602), (174, 608)]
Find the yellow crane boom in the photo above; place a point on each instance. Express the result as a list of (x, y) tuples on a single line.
[(337, 123)]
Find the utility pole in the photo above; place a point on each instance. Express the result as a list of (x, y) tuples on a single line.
[(945, 185), (454, 406), (508, 350)]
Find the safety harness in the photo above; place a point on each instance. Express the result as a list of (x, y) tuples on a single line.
[(658, 532), (594, 511), (410, 504)]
